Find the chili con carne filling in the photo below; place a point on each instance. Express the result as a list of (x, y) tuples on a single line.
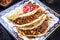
[(28, 19), (31, 25), (5, 2), (36, 31)]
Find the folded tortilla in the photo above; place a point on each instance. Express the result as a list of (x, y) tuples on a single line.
[(34, 24)]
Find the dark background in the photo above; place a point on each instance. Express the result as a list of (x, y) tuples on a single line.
[(4, 35)]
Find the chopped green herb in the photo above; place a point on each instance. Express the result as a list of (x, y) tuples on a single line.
[(29, 2), (34, 3), (41, 26)]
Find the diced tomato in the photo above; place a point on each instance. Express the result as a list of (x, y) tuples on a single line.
[(25, 10), (29, 7)]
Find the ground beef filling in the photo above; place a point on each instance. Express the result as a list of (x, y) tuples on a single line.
[(36, 31), (27, 19)]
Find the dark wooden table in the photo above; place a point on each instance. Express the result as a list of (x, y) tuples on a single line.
[(4, 35)]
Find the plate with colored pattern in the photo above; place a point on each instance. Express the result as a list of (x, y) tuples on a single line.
[(30, 20)]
